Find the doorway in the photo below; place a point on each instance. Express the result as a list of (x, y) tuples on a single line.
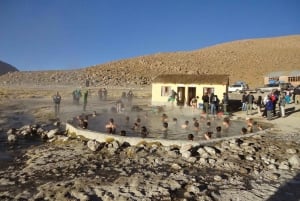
[(191, 94), (180, 96)]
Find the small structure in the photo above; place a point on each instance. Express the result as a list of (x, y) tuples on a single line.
[(292, 77), (187, 87)]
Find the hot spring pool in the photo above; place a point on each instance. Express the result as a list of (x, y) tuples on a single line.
[(154, 124)]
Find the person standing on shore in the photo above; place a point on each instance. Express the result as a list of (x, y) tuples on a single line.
[(244, 102), (269, 108), (56, 99), (193, 103), (205, 99), (225, 102), (259, 104), (282, 103), (172, 98), (249, 101)]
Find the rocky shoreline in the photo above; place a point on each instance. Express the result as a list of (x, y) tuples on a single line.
[(254, 168)]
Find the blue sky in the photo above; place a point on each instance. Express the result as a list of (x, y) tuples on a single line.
[(70, 34)]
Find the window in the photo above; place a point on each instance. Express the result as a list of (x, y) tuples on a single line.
[(165, 90), (294, 79)]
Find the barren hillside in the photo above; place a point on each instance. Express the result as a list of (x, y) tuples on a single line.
[(246, 60), (5, 67)]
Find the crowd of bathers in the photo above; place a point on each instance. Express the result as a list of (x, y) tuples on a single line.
[(202, 128)]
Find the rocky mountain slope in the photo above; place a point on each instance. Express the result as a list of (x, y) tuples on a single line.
[(5, 67), (246, 60)]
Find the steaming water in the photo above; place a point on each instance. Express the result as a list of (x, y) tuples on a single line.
[(153, 122)]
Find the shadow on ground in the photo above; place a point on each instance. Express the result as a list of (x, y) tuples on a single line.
[(289, 191)]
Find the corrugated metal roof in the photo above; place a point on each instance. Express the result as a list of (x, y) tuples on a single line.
[(283, 73), (191, 79)]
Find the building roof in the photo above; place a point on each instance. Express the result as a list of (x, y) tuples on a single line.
[(283, 73), (191, 79)]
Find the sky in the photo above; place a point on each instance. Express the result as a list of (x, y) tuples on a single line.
[(72, 34)]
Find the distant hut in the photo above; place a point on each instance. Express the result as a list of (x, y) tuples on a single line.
[(292, 77), (187, 87)]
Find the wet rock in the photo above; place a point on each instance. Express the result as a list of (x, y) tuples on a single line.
[(93, 145)]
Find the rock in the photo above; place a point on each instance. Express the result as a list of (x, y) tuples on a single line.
[(11, 138), (192, 189), (284, 165), (291, 151), (79, 195), (176, 166), (249, 158), (11, 131), (174, 185), (211, 161), (217, 178), (186, 154), (210, 150), (93, 145), (185, 148), (202, 153), (294, 161), (202, 161), (272, 167), (52, 133)]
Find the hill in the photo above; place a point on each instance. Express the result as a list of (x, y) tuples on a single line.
[(246, 60), (5, 68)]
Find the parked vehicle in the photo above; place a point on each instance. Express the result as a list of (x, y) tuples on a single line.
[(268, 88), (286, 86), (238, 87), (297, 90)]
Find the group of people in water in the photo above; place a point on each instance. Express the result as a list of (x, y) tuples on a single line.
[(199, 129), (204, 127)]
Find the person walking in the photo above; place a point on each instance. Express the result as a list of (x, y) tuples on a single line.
[(274, 99), (56, 99), (244, 102), (85, 96), (129, 98), (269, 108)]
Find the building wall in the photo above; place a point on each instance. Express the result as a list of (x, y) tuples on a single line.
[(158, 99), (283, 78)]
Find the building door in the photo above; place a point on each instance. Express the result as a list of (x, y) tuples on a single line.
[(180, 96), (191, 94)]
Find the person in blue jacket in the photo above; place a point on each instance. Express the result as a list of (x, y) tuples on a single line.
[(269, 108)]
